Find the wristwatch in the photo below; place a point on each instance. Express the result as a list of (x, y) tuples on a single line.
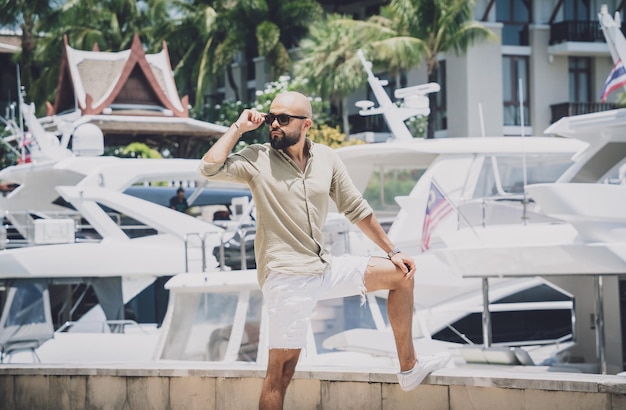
[(393, 251)]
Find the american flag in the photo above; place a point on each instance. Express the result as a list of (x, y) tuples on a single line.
[(437, 208), (615, 80)]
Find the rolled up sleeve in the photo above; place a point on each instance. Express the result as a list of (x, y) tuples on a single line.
[(236, 168), (347, 197)]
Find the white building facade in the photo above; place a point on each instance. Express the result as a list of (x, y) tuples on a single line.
[(549, 53)]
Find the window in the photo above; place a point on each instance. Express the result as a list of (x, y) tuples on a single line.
[(579, 79), (576, 10), (515, 15), (385, 184), (514, 69)]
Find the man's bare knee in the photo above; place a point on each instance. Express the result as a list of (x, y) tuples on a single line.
[(381, 273)]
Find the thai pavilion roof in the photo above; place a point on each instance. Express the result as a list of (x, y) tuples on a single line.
[(130, 95), (94, 81)]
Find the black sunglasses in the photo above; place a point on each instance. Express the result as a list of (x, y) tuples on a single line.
[(283, 119)]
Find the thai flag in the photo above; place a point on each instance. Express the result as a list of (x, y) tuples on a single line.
[(437, 208), (615, 80)]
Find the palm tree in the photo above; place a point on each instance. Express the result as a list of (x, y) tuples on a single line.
[(405, 34), (205, 37), (265, 28), (424, 29), (110, 25), (189, 32), (26, 14), (328, 58)]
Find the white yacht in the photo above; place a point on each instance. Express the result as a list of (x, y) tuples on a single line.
[(583, 247), (88, 241), (395, 177)]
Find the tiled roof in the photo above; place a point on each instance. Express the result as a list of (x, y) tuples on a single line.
[(98, 77), (10, 43), (98, 80)]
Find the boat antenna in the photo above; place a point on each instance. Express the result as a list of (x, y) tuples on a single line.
[(20, 110), (482, 119), (415, 102), (524, 170)]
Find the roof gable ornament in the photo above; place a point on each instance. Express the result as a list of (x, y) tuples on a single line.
[(126, 82)]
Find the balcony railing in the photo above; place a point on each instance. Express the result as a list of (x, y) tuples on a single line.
[(567, 109), (584, 31)]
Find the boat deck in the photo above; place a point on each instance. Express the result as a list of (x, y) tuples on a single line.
[(194, 385)]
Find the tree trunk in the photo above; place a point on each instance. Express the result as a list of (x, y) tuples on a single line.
[(344, 116), (231, 82), (432, 103), (28, 47)]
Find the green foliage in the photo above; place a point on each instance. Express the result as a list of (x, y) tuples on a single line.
[(422, 29), (327, 57), (137, 150), (7, 156), (331, 136), (417, 126), (284, 83), (395, 183), (109, 24), (323, 130)]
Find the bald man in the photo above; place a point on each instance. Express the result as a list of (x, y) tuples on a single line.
[(291, 179)]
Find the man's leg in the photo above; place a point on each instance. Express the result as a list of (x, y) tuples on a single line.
[(383, 274), (289, 300), (280, 368)]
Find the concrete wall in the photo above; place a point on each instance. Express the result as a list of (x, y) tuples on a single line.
[(549, 81), (470, 83), (172, 387)]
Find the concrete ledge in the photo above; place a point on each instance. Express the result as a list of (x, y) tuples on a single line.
[(194, 385)]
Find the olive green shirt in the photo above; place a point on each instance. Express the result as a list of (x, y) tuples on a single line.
[(291, 205)]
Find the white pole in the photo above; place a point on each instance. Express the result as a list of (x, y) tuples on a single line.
[(482, 119), (521, 109)]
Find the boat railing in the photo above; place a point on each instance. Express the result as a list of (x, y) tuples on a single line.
[(103, 326), (500, 210), (82, 230), (242, 231), (544, 342), (202, 240)]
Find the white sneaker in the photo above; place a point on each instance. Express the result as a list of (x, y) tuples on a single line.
[(425, 365)]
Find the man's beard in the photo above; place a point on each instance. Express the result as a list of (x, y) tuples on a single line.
[(286, 141)]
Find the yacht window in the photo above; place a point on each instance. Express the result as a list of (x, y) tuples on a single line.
[(3, 294), (386, 184), (250, 341), (504, 175), (604, 165), (27, 305), (512, 327), (540, 293), (617, 174), (197, 319), (333, 316)]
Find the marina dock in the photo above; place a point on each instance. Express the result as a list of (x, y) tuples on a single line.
[(194, 386)]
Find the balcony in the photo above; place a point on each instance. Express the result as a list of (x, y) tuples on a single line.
[(579, 31), (567, 109)]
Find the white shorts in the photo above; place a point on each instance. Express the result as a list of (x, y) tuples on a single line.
[(290, 299)]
